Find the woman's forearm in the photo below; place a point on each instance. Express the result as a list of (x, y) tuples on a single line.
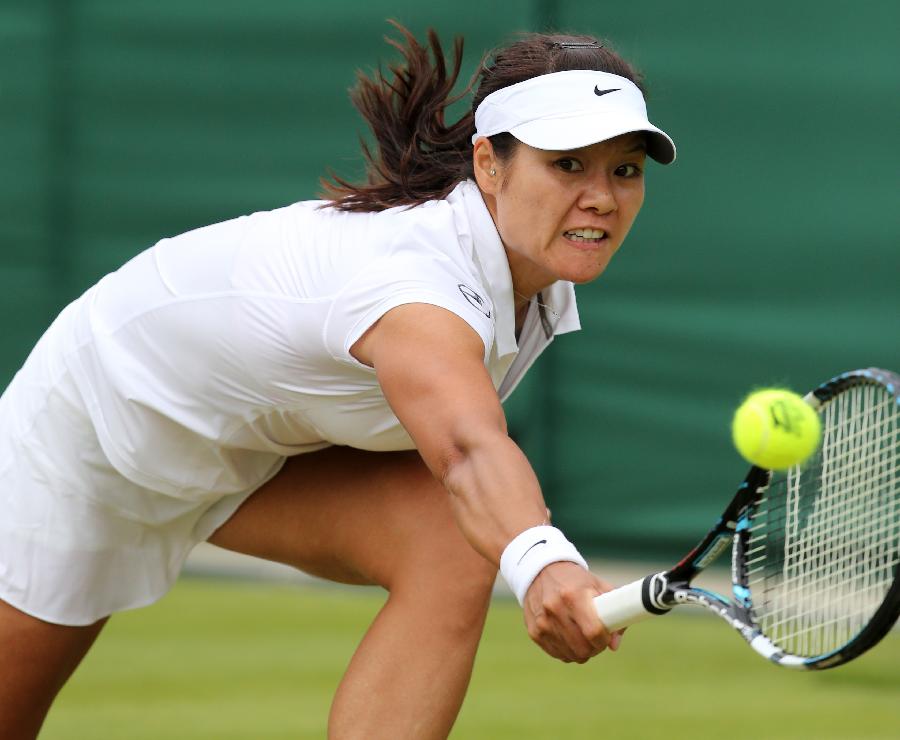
[(495, 493)]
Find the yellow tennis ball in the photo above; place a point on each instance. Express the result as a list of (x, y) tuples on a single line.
[(776, 429)]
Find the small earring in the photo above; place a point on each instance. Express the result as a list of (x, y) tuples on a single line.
[(492, 172)]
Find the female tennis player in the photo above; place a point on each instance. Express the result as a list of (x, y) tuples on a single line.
[(321, 385)]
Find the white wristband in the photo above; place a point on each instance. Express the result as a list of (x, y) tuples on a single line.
[(530, 552)]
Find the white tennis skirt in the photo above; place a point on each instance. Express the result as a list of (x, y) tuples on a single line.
[(78, 540)]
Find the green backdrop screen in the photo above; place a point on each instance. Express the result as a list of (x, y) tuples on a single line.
[(767, 254)]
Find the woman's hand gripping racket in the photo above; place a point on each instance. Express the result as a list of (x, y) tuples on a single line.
[(815, 551)]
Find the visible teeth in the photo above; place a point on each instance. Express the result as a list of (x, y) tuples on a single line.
[(587, 233)]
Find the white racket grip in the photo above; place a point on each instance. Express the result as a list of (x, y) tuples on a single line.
[(622, 606)]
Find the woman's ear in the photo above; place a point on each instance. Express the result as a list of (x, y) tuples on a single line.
[(484, 163)]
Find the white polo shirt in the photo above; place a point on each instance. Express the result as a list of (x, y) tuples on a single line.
[(212, 356)]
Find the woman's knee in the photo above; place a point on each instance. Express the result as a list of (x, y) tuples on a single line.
[(444, 572), (434, 545), (454, 602)]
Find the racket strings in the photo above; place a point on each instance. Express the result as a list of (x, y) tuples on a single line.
[(759, 550), (843, 564), (824, 543)]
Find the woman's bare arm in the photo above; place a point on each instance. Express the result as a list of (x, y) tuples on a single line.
[(430, 365)]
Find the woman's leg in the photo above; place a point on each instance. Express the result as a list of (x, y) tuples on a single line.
[(380, 518), (36, 659)]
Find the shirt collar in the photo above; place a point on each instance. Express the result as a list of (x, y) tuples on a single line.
[(558, 298)]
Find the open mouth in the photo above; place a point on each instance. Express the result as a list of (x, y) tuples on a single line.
[(587, 236)]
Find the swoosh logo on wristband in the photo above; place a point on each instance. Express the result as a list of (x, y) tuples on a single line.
[(539, 542)]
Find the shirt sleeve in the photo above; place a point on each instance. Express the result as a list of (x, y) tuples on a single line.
[(398, 280)]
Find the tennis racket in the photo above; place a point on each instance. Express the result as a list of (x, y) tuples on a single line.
[(814, 551)]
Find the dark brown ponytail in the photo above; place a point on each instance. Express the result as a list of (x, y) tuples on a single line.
[(420, 157)]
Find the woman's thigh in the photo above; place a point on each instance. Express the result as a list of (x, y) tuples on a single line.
[(356, 517)]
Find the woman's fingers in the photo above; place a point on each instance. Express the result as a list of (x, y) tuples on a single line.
[(559, 613)]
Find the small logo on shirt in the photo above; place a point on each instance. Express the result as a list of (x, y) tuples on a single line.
[(476, 300)]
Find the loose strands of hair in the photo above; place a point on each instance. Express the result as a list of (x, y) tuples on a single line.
[(419, 157)]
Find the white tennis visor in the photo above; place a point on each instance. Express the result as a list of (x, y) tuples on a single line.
[(570, 110)]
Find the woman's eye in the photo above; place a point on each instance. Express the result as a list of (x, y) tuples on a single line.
[(628, 170), (567, 164)]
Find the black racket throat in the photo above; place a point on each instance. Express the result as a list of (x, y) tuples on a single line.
[(657, 593)]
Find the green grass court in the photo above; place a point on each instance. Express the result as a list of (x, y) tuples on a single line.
[(244, 660)]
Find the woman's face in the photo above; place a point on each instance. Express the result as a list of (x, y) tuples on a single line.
[(563, 214)]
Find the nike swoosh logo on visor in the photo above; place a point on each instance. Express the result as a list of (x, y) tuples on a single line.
[(598, 91)]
